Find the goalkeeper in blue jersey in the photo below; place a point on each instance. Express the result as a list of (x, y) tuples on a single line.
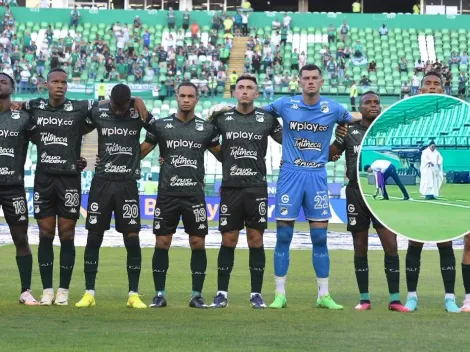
[(308, 122)]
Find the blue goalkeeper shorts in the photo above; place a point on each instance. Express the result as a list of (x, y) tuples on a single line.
[(302, 187)]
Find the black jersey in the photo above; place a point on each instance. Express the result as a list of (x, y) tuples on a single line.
[(15, 128), (244, 146), (351, 144), (182, 146), (58, 133), (118, 143)]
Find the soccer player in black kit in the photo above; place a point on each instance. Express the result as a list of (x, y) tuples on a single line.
[(182, 139), (359, 215), (15, 129), (245, 131), (114, 189), (432, 84), (60, 125)]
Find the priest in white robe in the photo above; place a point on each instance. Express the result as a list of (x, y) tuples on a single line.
[(432, 175)]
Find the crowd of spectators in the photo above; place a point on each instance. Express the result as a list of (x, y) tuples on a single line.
[(132, 55)]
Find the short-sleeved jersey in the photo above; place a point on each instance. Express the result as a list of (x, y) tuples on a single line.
[(182, 146), (244, 146), (15, 128), (307, 129), (58, 133), (118, 143), (351, 144)]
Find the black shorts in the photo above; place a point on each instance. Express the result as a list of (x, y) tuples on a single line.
[(359, 215), (240, 207), (120, 197), (57, 195), (14, 205), (169, 209)]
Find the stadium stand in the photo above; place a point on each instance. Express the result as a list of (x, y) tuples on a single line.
[(446, 121), (94, 51)]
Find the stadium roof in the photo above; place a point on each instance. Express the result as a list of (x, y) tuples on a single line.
[(409, 109)]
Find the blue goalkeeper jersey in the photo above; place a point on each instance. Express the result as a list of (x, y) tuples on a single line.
[(307, 129)]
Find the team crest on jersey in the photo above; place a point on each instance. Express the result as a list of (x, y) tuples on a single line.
[(324, 107), (352, 221), (223, 221), (93, 219), (259, 118), (134, 114), (15, 115), (68, 106), (199, 127)]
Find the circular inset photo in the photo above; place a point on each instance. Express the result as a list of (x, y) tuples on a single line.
[(414, 168)]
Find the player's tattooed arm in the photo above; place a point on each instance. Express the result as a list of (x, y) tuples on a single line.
[(88, 127), (277, 137), (334, 152), (276, 131), (217, 152), (139, 106), (341, 130), (18, 105), (146, 148)]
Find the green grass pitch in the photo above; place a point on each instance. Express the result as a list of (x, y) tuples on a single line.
[(422, 220), (110, 326)]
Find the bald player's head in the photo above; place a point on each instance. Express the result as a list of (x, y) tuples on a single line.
[(432, 84)]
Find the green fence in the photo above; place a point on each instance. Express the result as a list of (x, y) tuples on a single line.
[(257, 19)]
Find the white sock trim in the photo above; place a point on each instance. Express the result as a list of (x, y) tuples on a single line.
[(280, 284), (322, 286), (223, 292)]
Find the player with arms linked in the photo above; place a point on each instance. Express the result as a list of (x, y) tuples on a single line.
[(60, 125), (114, 189), (432, 84), (359, 215), (245, 131), (308, 122), (182, 139), (15, 129)]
